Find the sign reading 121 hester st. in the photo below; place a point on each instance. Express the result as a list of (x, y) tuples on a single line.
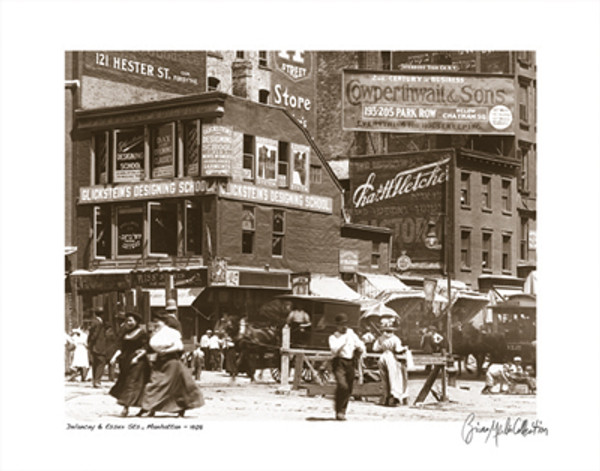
[(428, 103)]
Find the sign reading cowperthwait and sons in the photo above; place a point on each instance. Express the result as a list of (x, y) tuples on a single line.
[(404, 192), (171, 71), (428, 103)]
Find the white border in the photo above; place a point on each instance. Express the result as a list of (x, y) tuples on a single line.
[(33, 38)]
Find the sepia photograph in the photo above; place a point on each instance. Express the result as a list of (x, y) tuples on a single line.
[(267, 236)]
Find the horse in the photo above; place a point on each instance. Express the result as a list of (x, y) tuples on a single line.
[(470, 341), (251, 344)]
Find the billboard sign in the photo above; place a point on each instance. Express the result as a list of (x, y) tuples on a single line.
[(404, 192), (427, 103)]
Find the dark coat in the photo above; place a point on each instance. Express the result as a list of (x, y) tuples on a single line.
[(97, 342)]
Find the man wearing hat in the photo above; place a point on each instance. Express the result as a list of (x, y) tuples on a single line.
[(98, 345), (344, 343), (171, 318)]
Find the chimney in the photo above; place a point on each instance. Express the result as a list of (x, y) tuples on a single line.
[(241, 73)]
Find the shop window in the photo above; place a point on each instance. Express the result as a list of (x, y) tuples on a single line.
[(523, 108), (506, 196), (263, 60), (316, 174), (506, 250), (486, 251), (129, 155), (102, 232), (213, 83), (248, 165), (386, 60), (465, 189), (192, 225), (465, 249), (486, 193), (278, 232), (101, 160), (375, 254), (263, 96), (267, 161), (248, 229), (163, 228), (283, 165), (130, 231), (192, 135), (162, 150), (524, 249)]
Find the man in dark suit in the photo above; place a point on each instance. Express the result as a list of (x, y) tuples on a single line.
[(98, 345)]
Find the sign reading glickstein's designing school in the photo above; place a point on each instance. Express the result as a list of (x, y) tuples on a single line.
[(428, 103)]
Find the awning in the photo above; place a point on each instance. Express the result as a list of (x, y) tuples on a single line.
[(332, 287), (467, 305), (70, 250), (404, 302), (499, 295), (530, 286), (373, 285), (185, 296), (517, 304)]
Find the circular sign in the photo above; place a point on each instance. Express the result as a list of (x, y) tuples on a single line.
[(403, 263), (500, 117)]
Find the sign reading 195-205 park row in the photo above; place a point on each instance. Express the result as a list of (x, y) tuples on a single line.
[(428, 103)]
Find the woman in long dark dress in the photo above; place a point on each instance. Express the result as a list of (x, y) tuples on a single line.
[(171, 387), (134, 371)]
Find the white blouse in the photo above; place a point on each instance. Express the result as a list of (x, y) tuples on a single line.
[(165, 339)]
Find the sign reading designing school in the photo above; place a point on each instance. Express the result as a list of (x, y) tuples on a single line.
[(427, 103), (404, 192)]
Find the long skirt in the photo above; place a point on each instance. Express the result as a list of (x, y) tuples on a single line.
[(129, 388), (171, 387), (393, 378)]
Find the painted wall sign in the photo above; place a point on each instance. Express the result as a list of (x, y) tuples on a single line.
[(163, 151), (404, 192), (395, 102), (138, 191), (293, 85), (291, 199), (171, 71), (216, 150)]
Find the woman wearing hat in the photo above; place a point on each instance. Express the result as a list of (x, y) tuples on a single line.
[(393, 373), (171, 387), (134, 370)]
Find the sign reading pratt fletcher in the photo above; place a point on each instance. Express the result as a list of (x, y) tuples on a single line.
[(216, 150), (430, 103), (247, 192), (404, 192), (171, 71)]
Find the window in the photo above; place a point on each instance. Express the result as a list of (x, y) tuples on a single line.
[(248, 228), (316, 174), (465, 189), (524, 252), (465, 249), (129, 155), (162, 150), (506, 249), (163, 228), (300, 168), (386, 60), (375, 254), (523, 108), (248, 166), (130, 231), (102, 232), (239, 54), (192, 225), (263, 59), (283, 166), (192, 135), (213, 83), (506, 196), (278, 232), (486, 192), (263, 96), (101, 158), (486, 251), (267, 161), (524, 157)]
